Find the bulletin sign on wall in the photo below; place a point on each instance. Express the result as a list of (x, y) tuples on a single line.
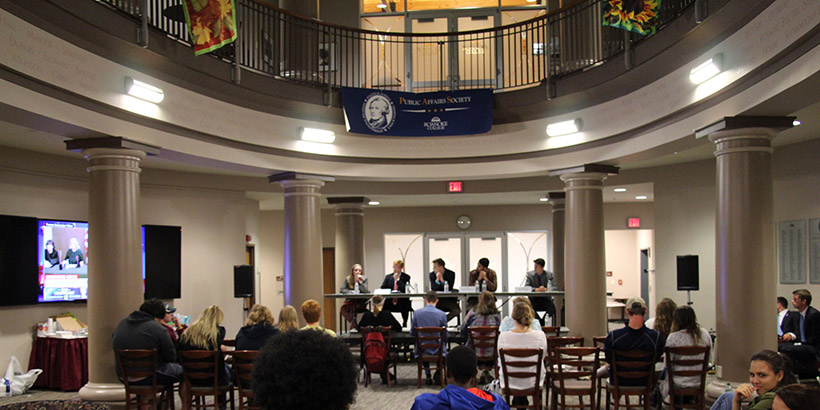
[(791, 245), (814, 250)]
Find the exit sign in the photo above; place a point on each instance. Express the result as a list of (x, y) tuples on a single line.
[(633, 222), (454, 186)]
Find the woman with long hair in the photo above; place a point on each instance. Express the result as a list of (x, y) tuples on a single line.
[(484, 314), (288, 319), (257, 330), (206, 333), (662, 322), (685, 332), (522, 336), (356, 280), (768, 372)]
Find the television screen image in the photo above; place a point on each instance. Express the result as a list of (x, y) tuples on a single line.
[(63, 259)]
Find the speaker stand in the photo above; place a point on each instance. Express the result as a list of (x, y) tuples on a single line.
[(689, 297)]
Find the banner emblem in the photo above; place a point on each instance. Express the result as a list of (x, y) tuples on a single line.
[(378, 112)]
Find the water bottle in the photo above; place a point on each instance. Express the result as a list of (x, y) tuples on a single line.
[(728, 387), (446, 286), (416, 287), (356, 287)]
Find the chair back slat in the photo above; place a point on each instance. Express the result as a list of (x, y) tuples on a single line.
[(137, 365), (690, 362), (554, 331), (513, 362), (633, 374), (577, 364), (243, 370), (483, 341)]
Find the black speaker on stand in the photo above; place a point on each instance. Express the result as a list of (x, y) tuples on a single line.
[(243, 285), (688, 275)]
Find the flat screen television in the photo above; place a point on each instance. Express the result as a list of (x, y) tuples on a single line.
[(162, 261), (62, 249), (18, 260)]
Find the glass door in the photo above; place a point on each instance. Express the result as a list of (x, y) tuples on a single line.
[(448, 247)]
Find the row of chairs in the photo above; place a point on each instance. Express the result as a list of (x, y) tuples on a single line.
[(200, 369)]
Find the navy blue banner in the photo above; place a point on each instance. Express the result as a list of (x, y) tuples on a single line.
[(381, 112)]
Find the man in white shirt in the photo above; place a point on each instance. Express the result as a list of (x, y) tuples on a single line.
[(782, 310)]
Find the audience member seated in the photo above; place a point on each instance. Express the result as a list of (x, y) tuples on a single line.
[(143, 329), (685, 332), (206, 333), (522, 336), (438, 278), (634, 336), (508, 323), (305, 371), (541, 281), (377, 318), (312, 312), (397, 282), (801, 335), (782, 311), (429, 316), (352, 282), (662, 322), (171, 321), (288, 319), (797, 397), (768, 372), (257, 330), (460, 392), (484, 314)]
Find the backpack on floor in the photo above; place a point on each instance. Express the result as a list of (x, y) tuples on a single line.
[(375, 352)]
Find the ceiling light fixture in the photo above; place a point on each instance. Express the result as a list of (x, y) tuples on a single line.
[(564, 127), (641, 197), (619, 190), (374, 203), (707, 70), (382, 5), (796, 123), (317, 135), (143, 91), (544, 199)]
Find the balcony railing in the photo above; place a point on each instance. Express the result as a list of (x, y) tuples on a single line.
[(288, 47)]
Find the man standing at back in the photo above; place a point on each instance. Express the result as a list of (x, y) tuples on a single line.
[(801, 331), (430, 316), (634, 336), (143, 329)]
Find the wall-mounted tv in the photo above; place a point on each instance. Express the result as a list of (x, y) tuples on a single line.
[(18, 260), (63, 260), (162, 261)]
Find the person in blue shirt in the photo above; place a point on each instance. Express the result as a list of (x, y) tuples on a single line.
[(460, 392), (430, 316)]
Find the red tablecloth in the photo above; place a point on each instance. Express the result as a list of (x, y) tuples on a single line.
[(64, 362)]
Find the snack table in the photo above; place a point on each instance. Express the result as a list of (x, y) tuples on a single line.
[(64, 362)]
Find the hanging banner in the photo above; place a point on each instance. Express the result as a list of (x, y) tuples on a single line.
[(400, 114), (212, 23), (640, 16)]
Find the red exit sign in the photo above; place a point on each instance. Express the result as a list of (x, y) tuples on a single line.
[(633, 222), (454, 186)]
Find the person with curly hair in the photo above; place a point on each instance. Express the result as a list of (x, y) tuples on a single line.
[(257, 330), (662, 322), (306, 371), (288, 319)]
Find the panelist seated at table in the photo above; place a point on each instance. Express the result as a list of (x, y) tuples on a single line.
[(541, 281), (483, 278), (439, 277), (51, 256), (397, 281), (74, 256), (356, 282)]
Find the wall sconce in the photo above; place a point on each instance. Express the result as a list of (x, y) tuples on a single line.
[(564, 127), (143, 91), (707, 70), (317, 135)]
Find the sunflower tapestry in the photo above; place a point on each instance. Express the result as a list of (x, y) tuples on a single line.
[(212, 23), (640, 16)]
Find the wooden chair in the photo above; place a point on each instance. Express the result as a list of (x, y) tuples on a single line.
[(574, 375), (598, 341), (389, 360), (431, 338), (554, 342), (137, 364), (631, 367), (551, 331), (688, 361), (483, 341), (519, 363), (243, 372), (200, 371)]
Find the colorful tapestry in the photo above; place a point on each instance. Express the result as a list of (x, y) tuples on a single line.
[(212, 23), (640, 16)]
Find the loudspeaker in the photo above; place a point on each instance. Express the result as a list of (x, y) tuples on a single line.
[(243, 281), (688, 272), (162, 261)]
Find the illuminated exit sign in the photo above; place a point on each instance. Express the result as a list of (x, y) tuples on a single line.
[(633, 222), (454, 186)]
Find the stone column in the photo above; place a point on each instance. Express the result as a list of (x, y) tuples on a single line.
[(303, 237), (745, 271), (114, 259), (350, 240), (558, 201), (585, 257)]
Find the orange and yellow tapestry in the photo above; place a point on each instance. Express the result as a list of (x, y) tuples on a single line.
[(640, 16), (212, 23)]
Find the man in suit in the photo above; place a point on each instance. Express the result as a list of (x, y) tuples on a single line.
[(397, 282), (430, 316), (782, 311), (541, 281), (438, 277), (801, 334)]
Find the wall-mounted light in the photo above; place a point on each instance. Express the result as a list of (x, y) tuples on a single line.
[(143, 91), (796, 123), (639, 197), (544, 199), (317, 135), (564, 127), (374, 203), (707, 70), (619, 190)]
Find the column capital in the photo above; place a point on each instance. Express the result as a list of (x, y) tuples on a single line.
[(114, 143), (558, 200), (346, 200), (746, 125), (606, 170), (292, 175)]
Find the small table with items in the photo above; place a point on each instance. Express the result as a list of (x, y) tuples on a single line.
[(64, 361)]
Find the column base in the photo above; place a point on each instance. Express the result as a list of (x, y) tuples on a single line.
[(109, 393)]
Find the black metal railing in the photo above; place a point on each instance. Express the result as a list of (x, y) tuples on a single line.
[(288, 47)]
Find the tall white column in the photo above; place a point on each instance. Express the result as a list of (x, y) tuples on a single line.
[(349, 248), (558, 201)]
